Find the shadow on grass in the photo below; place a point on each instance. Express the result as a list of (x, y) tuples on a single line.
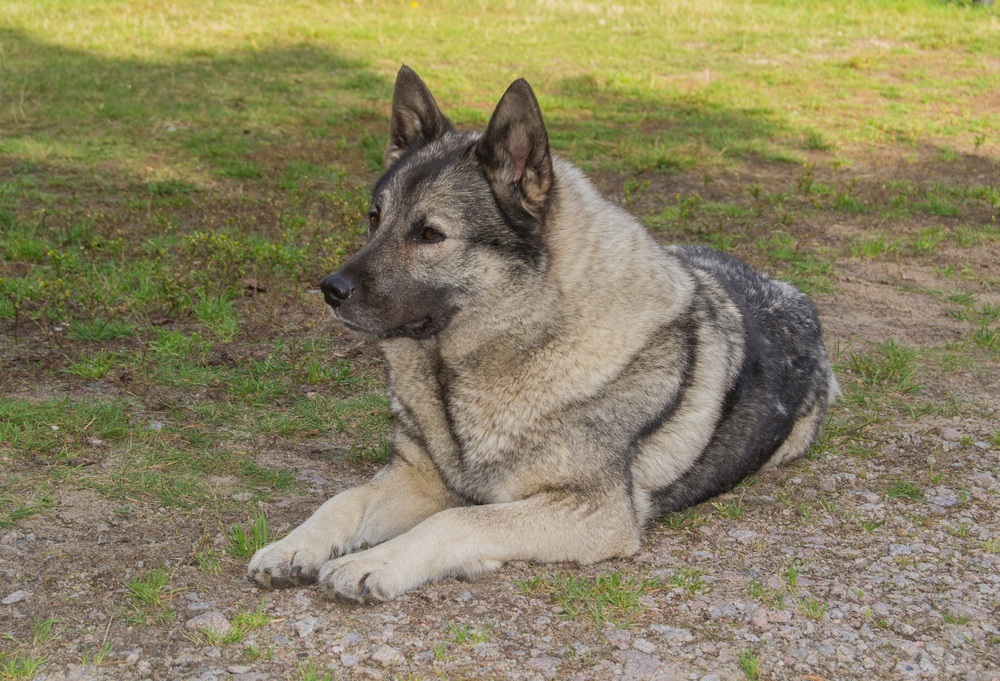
[(245, 114), (210, 109), (632, 133)]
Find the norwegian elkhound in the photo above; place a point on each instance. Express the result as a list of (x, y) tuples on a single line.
[(558, 378)]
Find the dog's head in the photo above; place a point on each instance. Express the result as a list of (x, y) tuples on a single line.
[(455, 221)]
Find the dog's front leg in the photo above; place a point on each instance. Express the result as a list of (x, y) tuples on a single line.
[(402, 494), (549, 527)]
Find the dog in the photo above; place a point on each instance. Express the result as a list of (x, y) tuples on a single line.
[(558, 378)]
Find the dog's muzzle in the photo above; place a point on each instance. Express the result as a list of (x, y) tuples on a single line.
[(336, 289)]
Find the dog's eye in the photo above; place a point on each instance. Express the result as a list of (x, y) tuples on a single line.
[(373, 220), (431, 235)]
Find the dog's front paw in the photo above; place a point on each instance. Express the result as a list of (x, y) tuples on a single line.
[(366, 577), (296, 559)]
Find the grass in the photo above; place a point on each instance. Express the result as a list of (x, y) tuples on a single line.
[(749, 663), (15, 508), (148, 596), (94, 367), (19, 666), (243, 623), (871, 524), (813, 608), (889, 367), (792, 574), (688, 519), (208, 561), (149, 591), (312, 672), (45, 631), (905, 489), (808, 268), (26, 662), (612, 597), (691, 580), (731, 509), (872, 247), (243, 544), (465, 634), (96, 657)]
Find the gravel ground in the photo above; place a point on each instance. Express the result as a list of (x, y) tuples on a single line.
[(796, 579)]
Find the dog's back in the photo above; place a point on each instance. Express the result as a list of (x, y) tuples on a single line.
[(721, 370), (775, 406)]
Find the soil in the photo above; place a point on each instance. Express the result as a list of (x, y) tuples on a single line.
[(823, 574)]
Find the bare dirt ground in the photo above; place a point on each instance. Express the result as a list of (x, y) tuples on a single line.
[(823, 569)]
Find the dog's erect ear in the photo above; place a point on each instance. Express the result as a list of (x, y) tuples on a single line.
[(416, 118), (514, 150)]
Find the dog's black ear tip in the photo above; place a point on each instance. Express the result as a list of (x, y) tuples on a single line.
[(521, 87), (407, 76)]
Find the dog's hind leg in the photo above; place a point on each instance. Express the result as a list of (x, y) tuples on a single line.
[(548, 527), (403, 494)]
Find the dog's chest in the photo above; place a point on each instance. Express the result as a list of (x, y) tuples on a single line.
[(476, 431)]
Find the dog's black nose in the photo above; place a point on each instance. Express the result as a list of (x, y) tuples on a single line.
[(336, 289)]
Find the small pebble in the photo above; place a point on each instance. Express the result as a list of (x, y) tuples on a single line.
[(16, 597), (213, 620), (388, 656)]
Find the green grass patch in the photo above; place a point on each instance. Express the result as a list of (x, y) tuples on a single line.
[(162, 463), (368, 419), (792, 573), (750, 664), (243, 623), (927, 240), (612, 597), (871, 524), (465, 634), (905, 489), (13, 508), (688, 519), (98, 329), (691, 580), (312, 672), (148, 596), (813, 608), (44, 632), (149, 591), (731, 509), (809, 269), (59, 428), (93, 367), (216, 312), (20, 665), (242, 543), (890, 366), (872, 246), (208, 561)]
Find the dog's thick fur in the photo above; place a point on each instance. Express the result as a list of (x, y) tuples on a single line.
[(558, 378)]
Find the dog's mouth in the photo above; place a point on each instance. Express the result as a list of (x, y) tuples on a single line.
[(418, 325), (424, 327), (421, 328)]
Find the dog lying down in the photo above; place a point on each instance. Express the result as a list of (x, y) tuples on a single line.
[(558, 378)]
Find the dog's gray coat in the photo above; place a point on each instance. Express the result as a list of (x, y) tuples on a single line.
[(558, 378)]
